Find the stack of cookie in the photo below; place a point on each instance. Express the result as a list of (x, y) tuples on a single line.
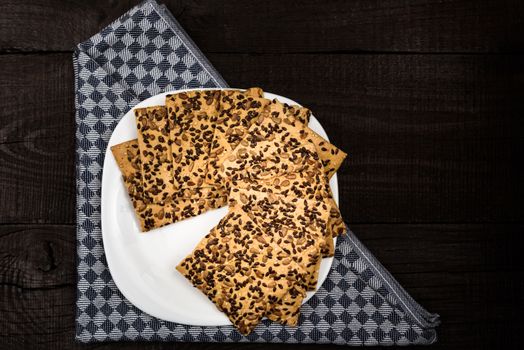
[(165, 170), (205, 149)]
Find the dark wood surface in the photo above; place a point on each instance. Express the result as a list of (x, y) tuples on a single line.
[(426, 96)]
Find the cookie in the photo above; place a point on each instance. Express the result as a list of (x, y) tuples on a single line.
[(280, 126), (282, 134), (155, 152), (331, 156), (299, 185), (277, 214), (193, 114), (280, 122), (261, 158), (238, 109), (275, 149), (287, 310), (310, 183), (269, 163), (152, 215), (240, 270), (293, 223)]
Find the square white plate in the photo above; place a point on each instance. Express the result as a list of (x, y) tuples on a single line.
[(143, 264)]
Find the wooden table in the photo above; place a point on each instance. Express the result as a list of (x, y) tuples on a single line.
[(426, 96)]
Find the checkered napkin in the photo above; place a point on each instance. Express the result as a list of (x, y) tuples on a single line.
[(146, 52)]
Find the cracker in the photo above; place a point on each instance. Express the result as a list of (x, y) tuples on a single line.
[(300, 185), (283, 132), (238, 109), (310, 183), (275, 149), (287, 310), (155, 152), (295, 216), (280, 127), (193, 114), (240, 270), (297, 225), (152, 215), (281, 121), (331, 156), (264, 159)]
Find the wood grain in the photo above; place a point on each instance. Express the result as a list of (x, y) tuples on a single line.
[(467, 273), (37, 139), (37, 257), (284, 26), (425, 95), (430, 138)]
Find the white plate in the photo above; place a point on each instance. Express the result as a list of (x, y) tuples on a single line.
[(143, 264)]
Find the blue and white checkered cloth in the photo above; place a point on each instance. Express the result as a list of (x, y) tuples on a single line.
[(146, 52)]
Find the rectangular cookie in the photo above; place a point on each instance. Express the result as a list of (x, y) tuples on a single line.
[(273, 150), (153, 129), (281, 122), (261, 159), (310, 183), (331, 156), (269, 157), (280, 128), (297, 225), (155, 152), (194, 116), (277, 214), (299, 185), (240, 270), (237, 111), (151, 215)]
